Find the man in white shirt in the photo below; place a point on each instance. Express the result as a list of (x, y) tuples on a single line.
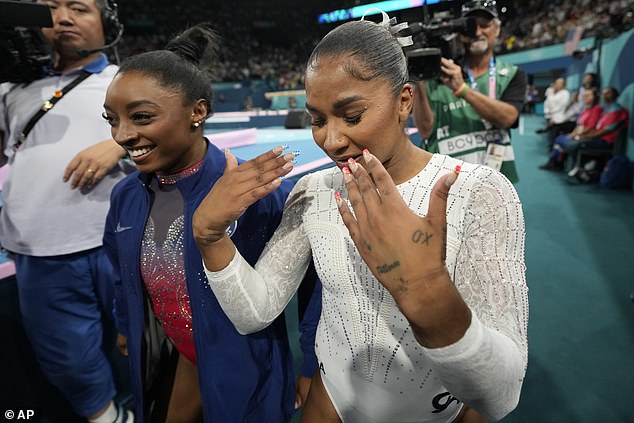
[(555, 104)]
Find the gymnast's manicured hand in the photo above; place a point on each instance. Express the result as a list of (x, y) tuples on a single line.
[(404, 251), (238, 188)]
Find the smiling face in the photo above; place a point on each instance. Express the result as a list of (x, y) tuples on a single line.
[(76, 25), (350, 114), (488, 29), (153, 125)]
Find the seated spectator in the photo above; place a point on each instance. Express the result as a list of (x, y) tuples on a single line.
[(555, 104), (590, 81), (568, 119), (586, 122), (614, 118)]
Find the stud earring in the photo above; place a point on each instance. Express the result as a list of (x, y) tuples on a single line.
[(196, 124)]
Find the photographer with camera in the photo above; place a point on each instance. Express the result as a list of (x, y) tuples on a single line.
[(468, 111), (62, 167)]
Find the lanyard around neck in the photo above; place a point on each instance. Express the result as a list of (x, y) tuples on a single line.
[(96, 66), (492, 81), (48, 105)]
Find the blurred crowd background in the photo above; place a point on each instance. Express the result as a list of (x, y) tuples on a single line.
[(270, 41)]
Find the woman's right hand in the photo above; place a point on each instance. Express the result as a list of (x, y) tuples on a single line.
[(239, 187)]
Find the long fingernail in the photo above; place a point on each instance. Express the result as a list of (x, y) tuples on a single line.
[(367, 156), (352, 163), (346, 174), (338, 198), (288, 165), (279, 149), (290, 157), (457, 169)]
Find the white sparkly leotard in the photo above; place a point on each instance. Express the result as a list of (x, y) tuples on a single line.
[(372, 366)]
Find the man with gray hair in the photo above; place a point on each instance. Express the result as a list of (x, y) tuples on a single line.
[(468, 112)]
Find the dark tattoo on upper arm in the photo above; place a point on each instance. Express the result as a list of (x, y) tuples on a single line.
[(420, 237), (384, 268)]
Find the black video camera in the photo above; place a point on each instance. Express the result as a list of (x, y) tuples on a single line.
[(439, 38), (24, 52)]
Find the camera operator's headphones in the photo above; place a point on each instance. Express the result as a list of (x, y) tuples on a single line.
[(112, 28)]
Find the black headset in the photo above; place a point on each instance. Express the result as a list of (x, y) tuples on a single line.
[(112, 28)]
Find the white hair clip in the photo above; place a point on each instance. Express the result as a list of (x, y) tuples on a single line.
[(392, 26), (386, 19)]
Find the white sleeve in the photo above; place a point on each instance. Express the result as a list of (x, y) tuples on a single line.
[(253, 297), (486, 368)]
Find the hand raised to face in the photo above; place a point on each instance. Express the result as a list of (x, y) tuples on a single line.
[(403, 250)]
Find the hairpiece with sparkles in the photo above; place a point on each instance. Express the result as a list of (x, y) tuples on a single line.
[(392, 26)]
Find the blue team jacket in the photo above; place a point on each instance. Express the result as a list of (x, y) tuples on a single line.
[(242, 378)]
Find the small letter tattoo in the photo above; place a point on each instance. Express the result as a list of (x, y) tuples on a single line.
[(420, 237), (384, 268)]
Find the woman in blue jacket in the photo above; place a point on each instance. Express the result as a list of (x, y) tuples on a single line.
[(187, 361)]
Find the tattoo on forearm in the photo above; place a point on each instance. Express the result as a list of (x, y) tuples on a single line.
[(420, 237), (384, 268)]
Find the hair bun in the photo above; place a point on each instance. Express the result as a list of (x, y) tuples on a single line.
[(196, 45)]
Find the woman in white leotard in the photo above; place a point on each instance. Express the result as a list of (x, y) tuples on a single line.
[(421, 256)]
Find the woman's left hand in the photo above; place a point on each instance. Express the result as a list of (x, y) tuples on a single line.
[(398, 245), (404, 251)]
